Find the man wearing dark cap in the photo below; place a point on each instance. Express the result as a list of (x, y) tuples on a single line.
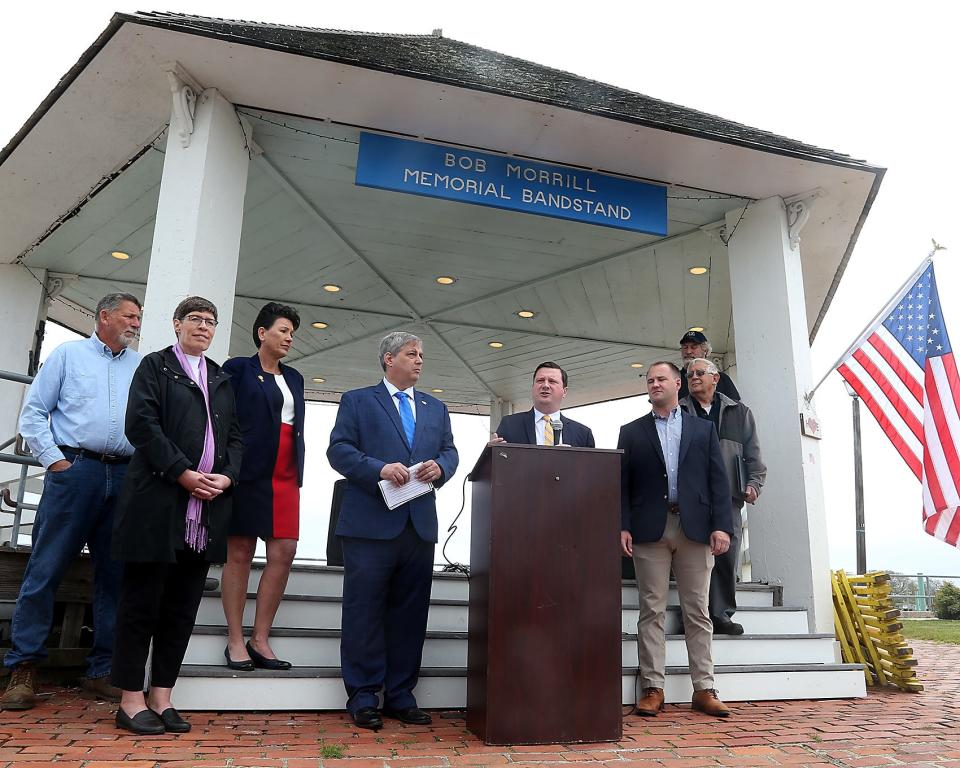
[(694, 344)]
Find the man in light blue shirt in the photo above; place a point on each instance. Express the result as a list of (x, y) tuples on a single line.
[(72, 421)]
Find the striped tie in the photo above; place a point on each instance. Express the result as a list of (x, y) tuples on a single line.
[(547, 431)]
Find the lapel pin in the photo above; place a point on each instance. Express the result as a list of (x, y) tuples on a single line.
[(260, 377), (423, 402)]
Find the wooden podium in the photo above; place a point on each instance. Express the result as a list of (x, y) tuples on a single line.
[(543, 658)]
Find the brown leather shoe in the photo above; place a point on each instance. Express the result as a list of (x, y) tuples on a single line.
[(650, 703), (709, 703), (99, 688), (21, 691)]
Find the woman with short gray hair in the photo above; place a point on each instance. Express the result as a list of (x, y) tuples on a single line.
[(172, 515)]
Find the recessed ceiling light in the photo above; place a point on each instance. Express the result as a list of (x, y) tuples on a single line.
[(495, 344), (697, 328), (698, 270), (319, 325), (636, 365), (121, 255), (446, 280), (331, 288), (318, 380), (437, 391), (526, 314)]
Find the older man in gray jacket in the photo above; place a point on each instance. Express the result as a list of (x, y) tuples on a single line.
[(741, 453)]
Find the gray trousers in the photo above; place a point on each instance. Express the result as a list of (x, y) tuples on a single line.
[(723, 582)]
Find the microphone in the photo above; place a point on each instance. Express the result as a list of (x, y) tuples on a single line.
[(557, 431)]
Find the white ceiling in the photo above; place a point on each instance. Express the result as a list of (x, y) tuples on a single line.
[(604, 298)]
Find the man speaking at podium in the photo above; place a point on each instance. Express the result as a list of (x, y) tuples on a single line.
[(538, 425)]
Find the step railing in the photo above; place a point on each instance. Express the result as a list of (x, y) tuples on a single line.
[(25, 462)]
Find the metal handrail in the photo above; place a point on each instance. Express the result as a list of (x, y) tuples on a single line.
[(25, 463)]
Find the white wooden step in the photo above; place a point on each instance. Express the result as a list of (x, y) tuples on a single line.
[(327, 581), (202, 688), (321, 648), (312, 612), (756, 620)]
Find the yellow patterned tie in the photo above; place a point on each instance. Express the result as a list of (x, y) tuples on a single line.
[(547, 431)]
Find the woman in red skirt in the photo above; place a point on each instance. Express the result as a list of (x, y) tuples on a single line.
[(266, 505)]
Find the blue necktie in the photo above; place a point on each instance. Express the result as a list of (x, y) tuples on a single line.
[(406, 416)]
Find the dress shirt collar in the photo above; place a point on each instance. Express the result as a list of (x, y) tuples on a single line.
[(103, 349), (392, 390), (674, 414), (538, 416)]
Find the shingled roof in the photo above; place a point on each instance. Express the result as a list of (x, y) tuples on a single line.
[(443, 60)]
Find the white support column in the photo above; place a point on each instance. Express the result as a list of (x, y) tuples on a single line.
[(498, 409), (22, 307), (788, 536), (196, 240)]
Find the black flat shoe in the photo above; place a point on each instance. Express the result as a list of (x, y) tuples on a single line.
[(410, 715), (367, 717), (144, 723), (172, 721), (259, 660), (241, 666)]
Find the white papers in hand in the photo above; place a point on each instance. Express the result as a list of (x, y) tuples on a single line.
[(395, 495)]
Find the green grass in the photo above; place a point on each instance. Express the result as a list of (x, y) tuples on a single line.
[(932, 629), (332, 751)]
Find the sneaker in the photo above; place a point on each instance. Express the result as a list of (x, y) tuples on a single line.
[(21, 691), (100, 688)]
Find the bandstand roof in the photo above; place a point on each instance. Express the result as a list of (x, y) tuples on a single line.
[(81, 179)]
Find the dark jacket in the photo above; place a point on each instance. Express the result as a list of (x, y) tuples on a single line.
[(166, 424), (725, 386), (259, 403), (367, 435), (521, 428), (702, 486), (738, 442)]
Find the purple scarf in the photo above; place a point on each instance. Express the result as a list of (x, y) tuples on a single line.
[(196, 531)]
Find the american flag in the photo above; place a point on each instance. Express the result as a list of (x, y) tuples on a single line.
[(905, 373)]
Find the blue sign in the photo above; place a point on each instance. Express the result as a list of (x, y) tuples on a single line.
[(455, 173)]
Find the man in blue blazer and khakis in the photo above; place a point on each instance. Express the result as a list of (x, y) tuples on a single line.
[(388, 554), (675, 512), (534, 427)]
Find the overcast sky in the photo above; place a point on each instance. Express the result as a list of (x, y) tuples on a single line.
[(875, 81)]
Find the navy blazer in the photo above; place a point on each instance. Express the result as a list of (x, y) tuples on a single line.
[(702, 486), (521, 428), (259, 405), (367, 435)]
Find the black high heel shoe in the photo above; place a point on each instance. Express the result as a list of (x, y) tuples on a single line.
[(240, 666), (259, 660)]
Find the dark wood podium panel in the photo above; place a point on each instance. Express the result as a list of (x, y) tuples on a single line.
[(544, 663)]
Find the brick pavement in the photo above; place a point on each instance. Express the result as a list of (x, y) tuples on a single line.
[(887, 728)]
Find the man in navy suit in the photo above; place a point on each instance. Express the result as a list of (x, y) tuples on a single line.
[(675, 512), (388, 554), (534, 427)]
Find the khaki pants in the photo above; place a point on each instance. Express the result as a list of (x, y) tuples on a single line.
[(692, 563)]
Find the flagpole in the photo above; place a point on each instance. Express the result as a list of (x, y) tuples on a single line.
[(886, 309)]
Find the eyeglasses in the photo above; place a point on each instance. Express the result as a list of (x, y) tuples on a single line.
[(691, 374), (198, 320)]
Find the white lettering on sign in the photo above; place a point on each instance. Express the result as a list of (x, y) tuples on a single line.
[(455, 183), (578, 204), (567, 180), (465, 162)]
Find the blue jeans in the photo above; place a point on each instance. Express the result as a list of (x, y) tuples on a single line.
[(76, 508)]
